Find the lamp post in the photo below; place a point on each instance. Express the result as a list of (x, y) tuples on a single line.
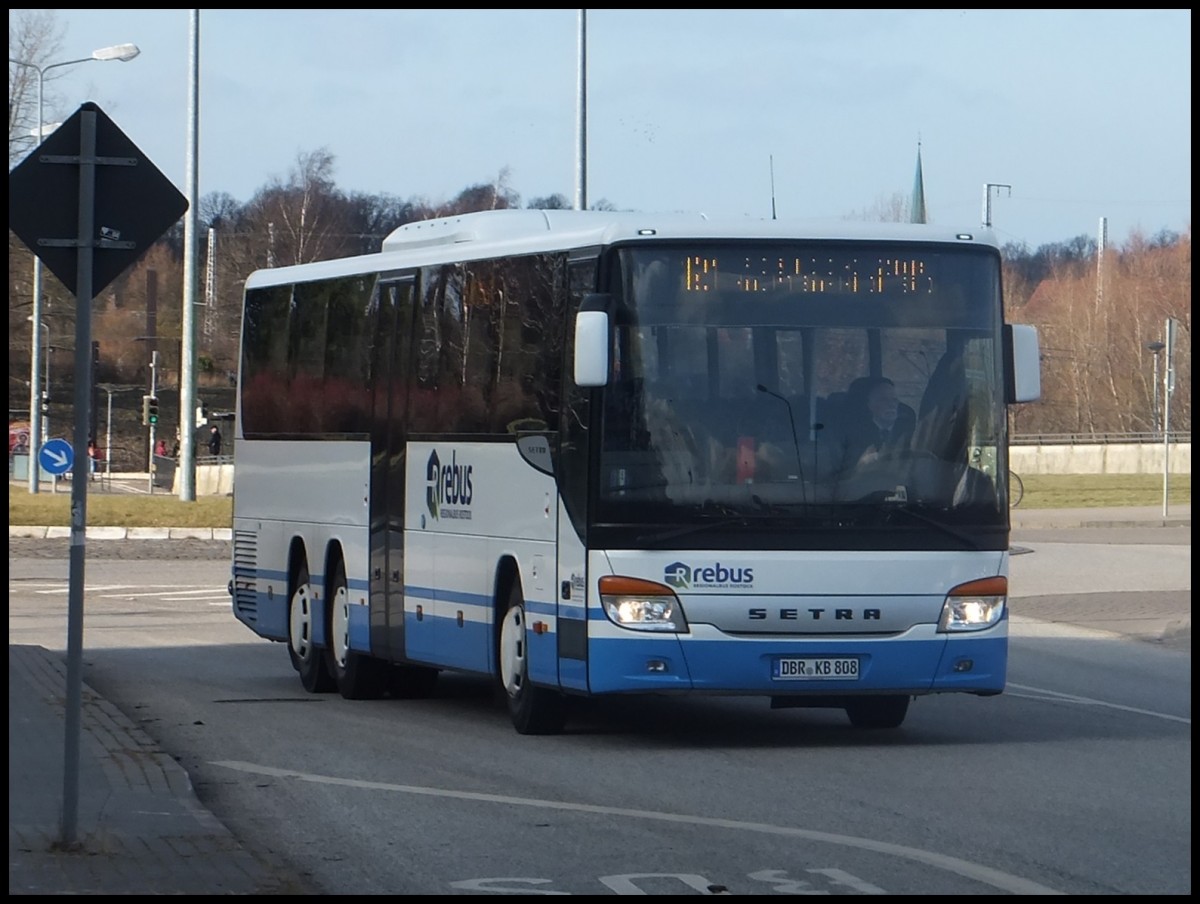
[(122, 53), (1156, 348), (36, 441)]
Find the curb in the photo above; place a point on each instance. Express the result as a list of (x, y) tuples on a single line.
[(1069, 523), (123, 533)]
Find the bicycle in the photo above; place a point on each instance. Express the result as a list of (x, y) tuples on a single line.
[(1016, 489)]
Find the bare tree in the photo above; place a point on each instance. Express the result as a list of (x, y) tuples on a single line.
[(35, 37), (304, 218), (1097, 371), (893, 209)]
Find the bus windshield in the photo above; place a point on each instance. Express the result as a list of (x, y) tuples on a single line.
[(844, 388)]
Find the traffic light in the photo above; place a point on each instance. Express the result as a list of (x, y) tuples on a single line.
[(45, 402), (149, 410)]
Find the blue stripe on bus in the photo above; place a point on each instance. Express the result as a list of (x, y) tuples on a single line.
[(317, 580), (475, 600)]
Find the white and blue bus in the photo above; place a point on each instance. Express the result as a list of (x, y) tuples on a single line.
[(590, 453)]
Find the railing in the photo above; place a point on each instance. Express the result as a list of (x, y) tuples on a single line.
[(1090, 439)]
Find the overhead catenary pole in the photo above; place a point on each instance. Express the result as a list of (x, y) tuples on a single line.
[(987, 199), (187, 366), (771, 158), (581, 119)]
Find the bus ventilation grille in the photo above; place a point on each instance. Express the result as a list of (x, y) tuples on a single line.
[(245, 574)]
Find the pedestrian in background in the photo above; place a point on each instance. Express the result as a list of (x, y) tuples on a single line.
[(214, 441), (93, 457)]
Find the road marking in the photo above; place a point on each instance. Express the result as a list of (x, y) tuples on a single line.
[(1038, 693), (973, 871), (176, 592)]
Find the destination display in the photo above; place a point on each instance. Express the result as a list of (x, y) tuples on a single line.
[(825, 273)]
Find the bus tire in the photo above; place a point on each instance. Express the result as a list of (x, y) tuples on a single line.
[(306, 656), (357, 675), (878, 712), (534, 710)]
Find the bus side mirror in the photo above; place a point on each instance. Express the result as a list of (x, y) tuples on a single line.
[(592, 342), (1022, 363)]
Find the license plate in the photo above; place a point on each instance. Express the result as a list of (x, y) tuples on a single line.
[(815, 668)]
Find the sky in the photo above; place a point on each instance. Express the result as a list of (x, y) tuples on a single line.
[(1083, 114)]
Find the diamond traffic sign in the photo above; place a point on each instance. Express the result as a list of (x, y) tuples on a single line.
[(133, 202)]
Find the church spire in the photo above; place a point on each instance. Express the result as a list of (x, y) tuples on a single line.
[(917, 206)]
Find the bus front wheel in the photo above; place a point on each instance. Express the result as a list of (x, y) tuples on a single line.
[(534, 710)]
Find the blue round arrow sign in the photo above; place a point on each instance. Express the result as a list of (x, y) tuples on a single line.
[(56, 456)]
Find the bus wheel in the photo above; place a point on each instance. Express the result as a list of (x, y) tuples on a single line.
[(878, 712), (309, 661), (534, 710), (358, 676)]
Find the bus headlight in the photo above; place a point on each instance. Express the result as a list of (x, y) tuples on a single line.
[(641, 605), (974, 606)]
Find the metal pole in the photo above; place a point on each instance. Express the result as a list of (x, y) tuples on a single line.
[(1168, 386), (187, 366), (581, 122), (35, 393), (108, 442), (80, 474), (987, 199), (46, 414), (153, 394), (1156, 420)]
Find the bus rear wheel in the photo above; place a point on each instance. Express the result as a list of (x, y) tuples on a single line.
[(878, 712), (308, 659), (358, 676), (534, 710)]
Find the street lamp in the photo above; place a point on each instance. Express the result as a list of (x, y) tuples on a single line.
[(36, 441), (1156, 348), (122, 53)]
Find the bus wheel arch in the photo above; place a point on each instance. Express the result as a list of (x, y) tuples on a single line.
[(533, 710), (307, 658)]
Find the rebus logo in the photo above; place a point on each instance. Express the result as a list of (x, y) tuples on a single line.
[(449, 489), (683, 576), (678, 575), (432, 469)]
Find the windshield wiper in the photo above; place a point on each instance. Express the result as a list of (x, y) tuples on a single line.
[(692, 529), (965, 539)]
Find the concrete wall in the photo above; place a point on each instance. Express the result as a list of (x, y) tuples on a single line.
[(211, 480), (1108, 458), (1111, 458)]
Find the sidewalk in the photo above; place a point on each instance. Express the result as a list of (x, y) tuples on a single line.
[(140, 827), (1114, 516)]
